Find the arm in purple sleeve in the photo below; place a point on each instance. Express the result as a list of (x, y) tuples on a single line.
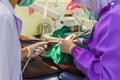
[(107, 43), (84, 60)]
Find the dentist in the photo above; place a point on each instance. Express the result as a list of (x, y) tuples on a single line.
[(100, 61)]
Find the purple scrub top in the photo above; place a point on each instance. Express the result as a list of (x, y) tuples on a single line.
[(101, 60)]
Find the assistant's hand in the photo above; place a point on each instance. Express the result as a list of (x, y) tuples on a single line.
[(36, 48), (66, 46), (41, 50)]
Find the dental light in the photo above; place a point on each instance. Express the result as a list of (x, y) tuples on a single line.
[(50, 13)]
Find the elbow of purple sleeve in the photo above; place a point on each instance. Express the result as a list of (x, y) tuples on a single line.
[(83, 59)]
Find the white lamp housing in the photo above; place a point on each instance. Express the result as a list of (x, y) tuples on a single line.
[(50, 13)]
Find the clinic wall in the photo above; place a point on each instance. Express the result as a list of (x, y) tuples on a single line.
[(31, 22)]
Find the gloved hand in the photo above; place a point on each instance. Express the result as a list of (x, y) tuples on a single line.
[(41, 50), (66, 46), (72, 36), (36, 48)]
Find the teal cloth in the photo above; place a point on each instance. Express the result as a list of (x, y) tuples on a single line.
[(25, 2), (61, 32), (54, 55)]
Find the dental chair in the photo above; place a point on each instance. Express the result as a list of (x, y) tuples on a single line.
[(62, 76), (51, 77)]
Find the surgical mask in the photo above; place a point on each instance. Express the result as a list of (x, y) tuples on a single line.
[(25, 2), (96, 16)]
